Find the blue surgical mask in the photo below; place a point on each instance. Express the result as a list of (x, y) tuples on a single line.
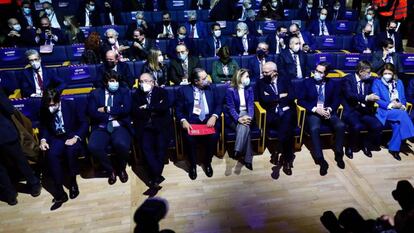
[(27, 10), (317, 76), (183, 56), (369, 17), (322, 17), (113, 86)]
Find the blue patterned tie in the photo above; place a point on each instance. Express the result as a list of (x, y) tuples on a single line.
[(321, 96), (202, 115), (110, 126)]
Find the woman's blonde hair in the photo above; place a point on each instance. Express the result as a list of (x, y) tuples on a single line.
[(73, 24), (236, 79), (153, 59)]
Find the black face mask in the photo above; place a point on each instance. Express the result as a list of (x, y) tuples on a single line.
[(267, 78), (192, 22), (260, 54), (110, 64), (166, 22), (391, 31), (367, 34), (225, 60)]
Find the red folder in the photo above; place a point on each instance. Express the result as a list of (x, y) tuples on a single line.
[(200, 130)]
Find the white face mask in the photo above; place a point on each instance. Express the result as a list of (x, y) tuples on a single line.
[(139, 21), (53, 109), (17, 27), (391, 50), (317, 76), (336, 8), (387, 77), (240, 33), (274, 4), (245, 81), (65, 23), (248, 6), (217, 33), (48, 11), (111, 41), (160, 59), (145, 87), (35, 64), (113, 86), (91, 8), (310, 6), (181, 36), (322, 17), (296, 48)]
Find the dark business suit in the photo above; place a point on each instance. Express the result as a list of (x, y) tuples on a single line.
[(159, 29), (106, 46), (211, 44), (25, 39), (360, 43), (378, 62), (359, 114), (184, 110), (24, 22), (314, 27), (122, 68), (364, 21), (50, 80), (94, 18), (335, 15), (115, 10), (223, 10), (237, 45), (10, 149), (397, 41), (309, 99), (201, 27), (151, 127), (43, 38), (272, 42), (101, 137), (136, 54), (274, 101), (161, 75), (287, 66), (254, 68), (176, 71), (307, 15), (75, 123)]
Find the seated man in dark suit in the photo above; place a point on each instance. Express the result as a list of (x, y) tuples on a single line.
[(321, 27), (278, 41), (222, 10), (88, 14), (359, 113), (240, 12), (214, 42), (387, 55), (320, 97), (199, 4), (10, 149), (391, 33), (370, 19), (141, 46), (244, 43), (198, 103), (112, 63), (180, 68), (63, 128), (47, 35), (304, 36), (108, 109), (195, 28), (292, 61), (26, 16), (182, 38), (166, 28), (111, 10), (308, 13), (151, 120), (55, 17), (37, 78), (255, 65), (18, 36), (338, 12), (277, 98), (111, 42), (363, 42)]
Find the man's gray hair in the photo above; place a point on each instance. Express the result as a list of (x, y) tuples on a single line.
[(111, 30), (31, 52)]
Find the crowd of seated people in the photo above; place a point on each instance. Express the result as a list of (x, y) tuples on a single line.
[(275, 82)]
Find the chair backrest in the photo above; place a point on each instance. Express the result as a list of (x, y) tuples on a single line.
[(74, 52), (58, 56), (12, 57), (329, 43), (407, 62), (30, 107), (78, 75), (344, 27), (8, 80)]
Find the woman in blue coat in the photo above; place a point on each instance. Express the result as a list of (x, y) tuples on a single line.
[(392, 106), (239, 114)]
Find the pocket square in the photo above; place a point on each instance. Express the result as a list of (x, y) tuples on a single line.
[(265, 93)]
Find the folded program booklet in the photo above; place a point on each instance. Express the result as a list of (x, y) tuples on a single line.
[(200, 130)]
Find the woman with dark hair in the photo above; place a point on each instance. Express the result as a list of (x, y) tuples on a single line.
[(63, 127), (224, 68), (73, 33), (91, 55), (155, 66), (392, 106), (239, 114)]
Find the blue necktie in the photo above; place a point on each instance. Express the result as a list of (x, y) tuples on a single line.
[(202, 115), (321, 96), (110, 126), (59, 124)]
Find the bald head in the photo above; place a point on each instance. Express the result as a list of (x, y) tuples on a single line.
[(269, 67)]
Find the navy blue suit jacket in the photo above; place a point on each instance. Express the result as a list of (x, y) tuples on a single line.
[(238, 48), (201, 29), (398, 41), (351, 99), (232, 109), (7, 130), (303, 14), (209, 46), (185, 102), (378, 63), (359, 43), (159, 28), (286, 64), (254, 68), (120, 110), (314, 28), (50, 80), (308, 97), (74, 119), (55, 31), (172, 44), (268, 98)]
